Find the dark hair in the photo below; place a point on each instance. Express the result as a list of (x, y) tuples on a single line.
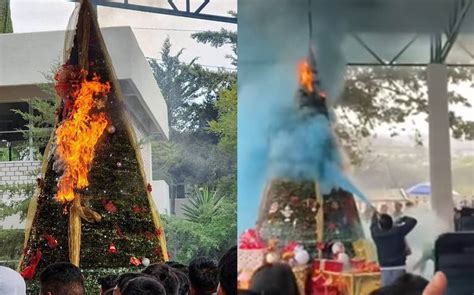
[(408, 284), (62, 278), (109, 292), (385, 221), (275, 279), (107, 282), (179, 266), (228, 271), (165, 275), (124, 278), (183, 281), (203, 274), (143, 286)]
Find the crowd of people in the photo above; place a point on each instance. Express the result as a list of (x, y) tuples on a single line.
[(203, 276)]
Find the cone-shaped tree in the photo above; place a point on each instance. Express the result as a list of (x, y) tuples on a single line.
[(303, 201), (92, 206)]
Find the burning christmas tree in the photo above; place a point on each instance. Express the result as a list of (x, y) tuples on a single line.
[(307, 199), (92, 206)]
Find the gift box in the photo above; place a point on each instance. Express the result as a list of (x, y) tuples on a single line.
[(321, 285), (333, 266), (251, 251)]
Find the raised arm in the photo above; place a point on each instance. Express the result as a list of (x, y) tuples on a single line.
[(408, 223)]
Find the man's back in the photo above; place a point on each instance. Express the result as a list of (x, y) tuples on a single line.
[(391, 245)]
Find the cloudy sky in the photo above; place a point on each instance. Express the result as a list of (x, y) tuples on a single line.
[(150, 29)]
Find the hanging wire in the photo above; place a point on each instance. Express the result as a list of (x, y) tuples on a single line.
[(310, 24)]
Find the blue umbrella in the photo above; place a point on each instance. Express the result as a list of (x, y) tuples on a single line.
[(422, 189)]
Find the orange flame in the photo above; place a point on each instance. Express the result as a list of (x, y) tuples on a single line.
[(306, 76), (77, 136)]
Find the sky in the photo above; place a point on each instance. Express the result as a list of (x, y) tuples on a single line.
[(150, 29)]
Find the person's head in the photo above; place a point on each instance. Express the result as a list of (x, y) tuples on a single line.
[(179, 266), (398, 207), (275, 279), (123, 280), (107, 283), (11, 282), (203, 274), (183, 281), (165, 275), (384, 209), (62, 278), (228, 273), (385, 221), (143, 286), (408, 284)]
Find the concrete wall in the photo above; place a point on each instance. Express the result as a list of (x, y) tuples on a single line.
[(161, 196), (16, 172)]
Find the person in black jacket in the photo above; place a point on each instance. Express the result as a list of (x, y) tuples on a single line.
[(391, 246)]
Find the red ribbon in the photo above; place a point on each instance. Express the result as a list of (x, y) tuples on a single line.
[(29, 272)]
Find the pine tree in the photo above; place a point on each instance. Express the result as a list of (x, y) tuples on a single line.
[(113, 219)]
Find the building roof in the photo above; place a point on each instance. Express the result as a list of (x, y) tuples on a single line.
[(27, 57)]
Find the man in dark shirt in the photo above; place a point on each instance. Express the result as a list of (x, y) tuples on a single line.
[(389, 239)]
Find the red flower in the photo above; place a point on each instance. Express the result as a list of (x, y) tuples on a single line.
[(320, 246), (112, 249), (149, 236), (109, 206), (29, 272), (135, 261), (136, 209), (52, 242)]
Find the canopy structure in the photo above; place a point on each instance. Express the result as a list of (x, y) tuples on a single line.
[(423, 189), (434, 34)]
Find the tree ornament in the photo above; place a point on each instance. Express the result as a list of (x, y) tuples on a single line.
[(111, 129), (119, 232), (287, 212), (135, 261), (273, 208), (52, 242), (149, 188), (294, 200), (112, 249), (29, 272), (136, 209), (109, 206), (119, 164), (145, 261), (301, 255)]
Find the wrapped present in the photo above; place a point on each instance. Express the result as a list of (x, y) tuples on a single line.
[(333, 266), (251, 251), (321, 285)]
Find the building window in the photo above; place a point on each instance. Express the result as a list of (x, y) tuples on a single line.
[(13, 146)]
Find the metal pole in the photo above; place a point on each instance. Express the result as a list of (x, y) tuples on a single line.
[(439, 143)]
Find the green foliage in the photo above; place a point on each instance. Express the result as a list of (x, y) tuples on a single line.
[(11, 243), (12, 204), (219, 39), (189, 90), (226, 124), (212, 237), (5, 18), (202, 205), (392, 95)]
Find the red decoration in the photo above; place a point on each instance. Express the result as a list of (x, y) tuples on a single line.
[(109, 206), (52, 242), (68, 80), (112, 249), (295, 200), (135, 261), (250, 240), (29, 272), (290, 247), (320, 246), (149, 188), (158, 233), (136, 209), (149, 235), (119, 232), (332, 226)]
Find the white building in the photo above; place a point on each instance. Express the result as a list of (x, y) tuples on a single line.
[(24, 60)]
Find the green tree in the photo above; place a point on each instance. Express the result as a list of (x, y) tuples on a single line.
[(5, 18), (203, 205), (225, 126)]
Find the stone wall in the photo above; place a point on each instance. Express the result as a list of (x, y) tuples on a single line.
[(18, 171)]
